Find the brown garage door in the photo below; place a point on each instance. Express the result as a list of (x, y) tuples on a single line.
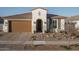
[(21, 26)]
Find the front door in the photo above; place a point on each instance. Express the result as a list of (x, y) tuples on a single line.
[(39, 25)]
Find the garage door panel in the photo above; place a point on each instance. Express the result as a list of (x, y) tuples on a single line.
[(29, 24), (21, 26)]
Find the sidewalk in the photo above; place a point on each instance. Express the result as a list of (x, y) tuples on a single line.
[(41, 42)]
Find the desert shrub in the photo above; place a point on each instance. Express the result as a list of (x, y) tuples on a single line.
[(75, 45), (73, 34), (0, 30), (66, 47), (46, 31), (1, 34), (77, 36), (33, 37), (63, 32)]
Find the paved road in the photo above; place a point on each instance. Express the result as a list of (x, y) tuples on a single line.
[(41, 42)]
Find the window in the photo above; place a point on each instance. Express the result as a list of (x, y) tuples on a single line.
[(6, 23), (54, 24), (1, 21)]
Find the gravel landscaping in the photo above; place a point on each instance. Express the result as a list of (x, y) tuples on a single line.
[(38, 41)]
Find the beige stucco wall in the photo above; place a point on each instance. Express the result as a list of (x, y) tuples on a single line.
[(63, 24), (76, 24), (5, 26)]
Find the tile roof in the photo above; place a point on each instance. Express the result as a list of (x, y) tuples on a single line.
[(58, 17), (29, 16), (20, 16), (51, 15), (39, 8)]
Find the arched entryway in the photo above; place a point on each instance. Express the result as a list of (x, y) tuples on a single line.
[(39, 25)]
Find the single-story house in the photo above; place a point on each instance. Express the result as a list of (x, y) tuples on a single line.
[(39, 20)]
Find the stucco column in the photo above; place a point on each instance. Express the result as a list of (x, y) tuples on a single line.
[(57, 25), (44, 26), (5, 26)]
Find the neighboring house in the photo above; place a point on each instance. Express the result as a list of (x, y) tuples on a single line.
[(39, 20), (74, 20), (1, 24)]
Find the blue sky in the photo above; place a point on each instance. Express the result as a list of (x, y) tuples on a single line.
[(64, 11)]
